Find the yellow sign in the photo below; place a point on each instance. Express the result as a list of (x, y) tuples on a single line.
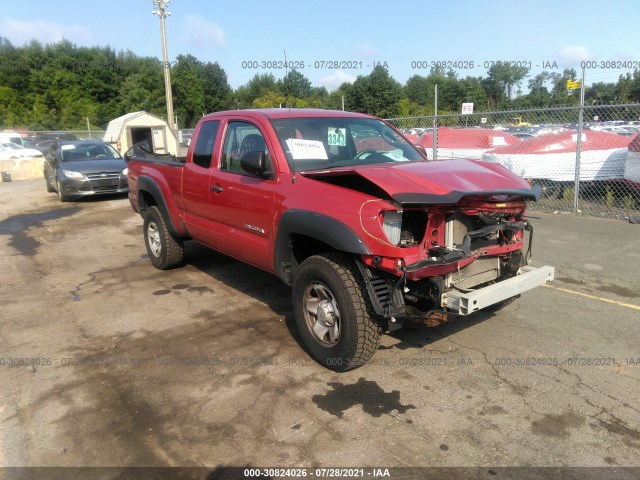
[(571, 85)]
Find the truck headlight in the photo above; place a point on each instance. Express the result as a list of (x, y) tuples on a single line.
[(72, 174), (392, 225)]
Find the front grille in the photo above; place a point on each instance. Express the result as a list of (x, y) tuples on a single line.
[(104, 181), (105, 188), (103, 175)]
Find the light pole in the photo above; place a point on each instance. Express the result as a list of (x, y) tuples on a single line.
[(160, 10)]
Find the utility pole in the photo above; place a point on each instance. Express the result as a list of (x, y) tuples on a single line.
[(160, 7)]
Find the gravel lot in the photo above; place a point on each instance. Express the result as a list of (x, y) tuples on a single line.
[(199, 366)]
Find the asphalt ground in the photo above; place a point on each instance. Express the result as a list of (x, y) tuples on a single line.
[(106, 361)]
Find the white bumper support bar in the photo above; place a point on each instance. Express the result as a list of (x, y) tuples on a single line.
[(468, 302)]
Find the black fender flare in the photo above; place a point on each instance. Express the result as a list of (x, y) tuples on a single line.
[(314, 225), (147, 184)]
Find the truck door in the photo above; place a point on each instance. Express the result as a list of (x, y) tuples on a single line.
[(196, 181), (242, 203)]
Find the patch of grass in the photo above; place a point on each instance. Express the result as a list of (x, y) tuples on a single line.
[(568, 194), (609, 198), (628, 202)]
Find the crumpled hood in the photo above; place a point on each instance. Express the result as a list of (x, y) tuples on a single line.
[(441, 181)]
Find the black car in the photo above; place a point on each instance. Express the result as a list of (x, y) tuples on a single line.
[(84, 167), (42, 141)]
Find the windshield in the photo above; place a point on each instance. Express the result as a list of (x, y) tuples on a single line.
[(12, 146), (87, 151), (318, 143)]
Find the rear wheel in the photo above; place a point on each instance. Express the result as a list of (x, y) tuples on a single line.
[(333, 313), (165, 251)]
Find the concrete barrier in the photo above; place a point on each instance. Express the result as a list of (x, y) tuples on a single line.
[(23, 169)]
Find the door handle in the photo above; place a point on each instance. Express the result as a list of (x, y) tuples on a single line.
[(216, 188)]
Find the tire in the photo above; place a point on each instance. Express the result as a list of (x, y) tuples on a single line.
[(329, 294), (61, 195), (165, 251), (50, 189)]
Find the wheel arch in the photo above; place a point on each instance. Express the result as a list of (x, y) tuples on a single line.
[(150, 195), (303, 233)]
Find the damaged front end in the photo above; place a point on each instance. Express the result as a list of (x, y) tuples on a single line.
[(450, 258)]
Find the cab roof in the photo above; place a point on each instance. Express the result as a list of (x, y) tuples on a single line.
[(277, 113)]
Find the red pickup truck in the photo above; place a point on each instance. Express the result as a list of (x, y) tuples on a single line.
[(341, 207)]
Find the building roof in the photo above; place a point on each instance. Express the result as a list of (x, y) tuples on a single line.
[(116, 126)]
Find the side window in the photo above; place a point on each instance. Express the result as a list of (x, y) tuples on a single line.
[(53, 152), (203, 149), (241, 138)]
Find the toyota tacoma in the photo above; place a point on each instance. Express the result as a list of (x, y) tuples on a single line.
[(340, 206)]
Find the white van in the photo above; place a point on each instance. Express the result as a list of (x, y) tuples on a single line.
[(12, 137)]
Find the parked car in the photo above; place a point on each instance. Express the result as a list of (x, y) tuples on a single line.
[(44, 140), (614, 129), (9, 151), (12, 137), (84, 167)]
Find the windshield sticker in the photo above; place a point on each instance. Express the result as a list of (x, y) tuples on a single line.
[(337, 137), (68, 147), (307, 149)]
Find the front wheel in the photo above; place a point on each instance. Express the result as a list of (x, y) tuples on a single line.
[(333, 313), (50, 189), (61, 195), (165, 251)]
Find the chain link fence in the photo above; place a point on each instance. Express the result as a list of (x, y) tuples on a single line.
[(590, 166)]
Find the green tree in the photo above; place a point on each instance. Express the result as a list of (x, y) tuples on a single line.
[(333, 101), (501, 80), (562, 96), (295, 85), (376, 94), (539, 95), (255, 88), (187, 78), (217, 91), (419, 90), (472, 91), (269, 99)]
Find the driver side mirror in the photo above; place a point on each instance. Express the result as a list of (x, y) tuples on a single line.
[(255, 163)]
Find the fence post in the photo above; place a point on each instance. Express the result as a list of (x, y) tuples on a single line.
[(435, 125), (576, 186)]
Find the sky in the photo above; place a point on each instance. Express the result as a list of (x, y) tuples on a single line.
[(247, 37)]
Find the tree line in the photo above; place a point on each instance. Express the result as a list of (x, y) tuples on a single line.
[(58, 86)]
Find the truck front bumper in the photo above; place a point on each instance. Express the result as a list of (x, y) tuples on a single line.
[(465, 303)]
